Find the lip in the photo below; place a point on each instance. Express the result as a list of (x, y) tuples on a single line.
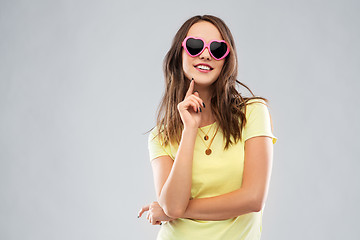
[(204, 65), (201, 70)]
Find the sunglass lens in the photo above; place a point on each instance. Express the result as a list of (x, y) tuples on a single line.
[(194, 46), (218, 49)]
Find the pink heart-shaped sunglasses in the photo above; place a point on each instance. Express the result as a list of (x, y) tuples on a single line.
[(194, 46)]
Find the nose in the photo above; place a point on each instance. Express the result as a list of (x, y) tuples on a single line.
[(205, 54)]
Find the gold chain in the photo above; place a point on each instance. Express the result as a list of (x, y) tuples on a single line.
[(208, 150), (206, 137)]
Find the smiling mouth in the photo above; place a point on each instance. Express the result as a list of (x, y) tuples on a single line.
[(203, 67)]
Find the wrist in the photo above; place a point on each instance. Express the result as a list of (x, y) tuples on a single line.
[(189, 130), (189, 134)]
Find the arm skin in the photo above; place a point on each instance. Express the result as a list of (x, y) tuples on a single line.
[(250, 197), (173, 178)]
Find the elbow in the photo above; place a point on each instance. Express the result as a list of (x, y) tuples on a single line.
[(257, 207), (173, 212), (257, 204)]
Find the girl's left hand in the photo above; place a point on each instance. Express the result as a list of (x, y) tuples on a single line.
[(156, 213)]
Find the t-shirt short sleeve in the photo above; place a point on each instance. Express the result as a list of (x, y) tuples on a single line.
[(155, 147), (258, 121)]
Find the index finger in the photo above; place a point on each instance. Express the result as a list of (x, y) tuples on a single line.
[(143, 209), (191, 88)]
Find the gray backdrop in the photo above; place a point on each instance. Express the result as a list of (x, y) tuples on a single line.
[(80, 82)]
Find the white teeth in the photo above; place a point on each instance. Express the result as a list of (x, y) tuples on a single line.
[(203, 67)]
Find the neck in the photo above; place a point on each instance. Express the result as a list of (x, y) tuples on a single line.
[(207, 116)]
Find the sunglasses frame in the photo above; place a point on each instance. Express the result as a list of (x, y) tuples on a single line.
[(206, 45)]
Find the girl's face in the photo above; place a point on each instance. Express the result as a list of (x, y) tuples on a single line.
[(208, 32)]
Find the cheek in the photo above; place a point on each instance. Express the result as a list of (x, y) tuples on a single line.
[(219, 67), (186, 62), (221, 63)]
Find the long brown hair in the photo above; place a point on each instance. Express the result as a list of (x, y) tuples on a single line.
[(225, 95)]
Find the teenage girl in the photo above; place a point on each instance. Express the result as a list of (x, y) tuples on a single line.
[(212, 149)]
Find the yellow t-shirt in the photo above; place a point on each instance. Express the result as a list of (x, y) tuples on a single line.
[(216, 174)]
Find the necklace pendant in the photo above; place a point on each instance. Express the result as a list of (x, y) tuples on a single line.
[(208, 151), (206, 137)]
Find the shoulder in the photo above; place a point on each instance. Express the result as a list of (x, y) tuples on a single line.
[(255, 101), (256, 105), (154, 134), (258, 120), (257, 113)]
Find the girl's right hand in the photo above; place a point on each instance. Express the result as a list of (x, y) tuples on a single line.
[(190, 108)]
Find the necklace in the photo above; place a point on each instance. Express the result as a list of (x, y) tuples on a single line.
[(208, 150), (206, 137)]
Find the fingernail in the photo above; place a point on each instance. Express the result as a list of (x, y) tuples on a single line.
[(196, 91), (138, 216), (200, 109), (160, 223), (192, 79), (197, 111), (204, 104)]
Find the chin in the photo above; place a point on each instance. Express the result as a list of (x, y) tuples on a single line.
[(204, 82)]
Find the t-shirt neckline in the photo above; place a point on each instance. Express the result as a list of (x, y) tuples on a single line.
[(207, 126)]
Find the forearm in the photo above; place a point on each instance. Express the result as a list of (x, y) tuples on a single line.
[(221, 207), (175, 194)]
